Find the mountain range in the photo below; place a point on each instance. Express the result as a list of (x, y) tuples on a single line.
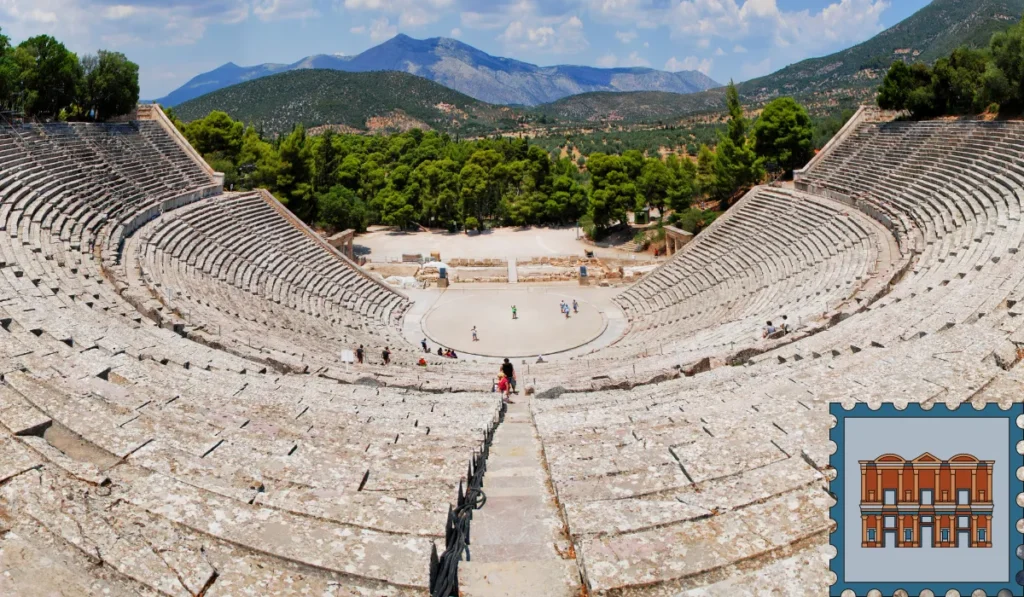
[(824, 85), (375, 102), (463, 68), (925, 36)]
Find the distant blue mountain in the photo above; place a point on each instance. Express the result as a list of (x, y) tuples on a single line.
[(463, 68)]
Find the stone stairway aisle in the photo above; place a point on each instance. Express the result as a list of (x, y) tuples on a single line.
[(517, 537), (513, 274)]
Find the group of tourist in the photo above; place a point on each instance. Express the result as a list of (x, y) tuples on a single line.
[(441, 351), (385, 355), (771, 332), (506, 383), (565, 308)]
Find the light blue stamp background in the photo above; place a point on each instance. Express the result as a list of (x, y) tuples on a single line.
[(890, 430), (867, 439)]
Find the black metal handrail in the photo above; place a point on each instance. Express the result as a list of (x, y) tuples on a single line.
[(444, 569)]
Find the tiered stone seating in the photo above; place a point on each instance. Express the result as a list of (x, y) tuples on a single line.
[(134, 460), (174, 419), (236, 265), (777, 252), (714, 484)]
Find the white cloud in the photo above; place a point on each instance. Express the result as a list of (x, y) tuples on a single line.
[(382, 30), (625, 36), (689, 63), (645, 14), (361, 29), (840, 21), (719, 52), (483, 20), (704, 43), (84, 25), (456, 33), (738, 49), (276, 10), (612, 61), (410, 13), (557, 35), (119, 11)]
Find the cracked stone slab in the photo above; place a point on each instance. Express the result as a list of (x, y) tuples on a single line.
[(321, 544), (681, 551), (17, 414), (15, 459)]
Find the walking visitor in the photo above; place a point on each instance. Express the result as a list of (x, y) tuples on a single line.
[(386, 355), (510, 373), (475, 338), (359, 354), (504, 387)]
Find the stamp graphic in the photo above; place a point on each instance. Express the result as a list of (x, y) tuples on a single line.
[(927, 499)]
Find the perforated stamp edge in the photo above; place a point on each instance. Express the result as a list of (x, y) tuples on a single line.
[(1015, 414)]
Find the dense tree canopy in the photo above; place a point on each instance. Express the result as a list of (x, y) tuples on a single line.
[(51, 75), (111, 84), (965, 82), (735, 165), (44, 79), (8, 71), (340, 181), (783, 134)]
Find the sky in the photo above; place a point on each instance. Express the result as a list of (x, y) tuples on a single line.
[(174, 40)]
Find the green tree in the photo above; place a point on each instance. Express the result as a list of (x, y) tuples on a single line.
[(612, 192), (736, 165), (783, 134), (908, 88), (957, 82), (216, 134), (111, 84), (438, 184), (654, 184), (51, 75), (567, 201), (683, 184), (1004, 78), (705, 179), (293, 179), (8, 73), (258, 163), (325, 159), (475, 183), (394, 208), (340, 209)]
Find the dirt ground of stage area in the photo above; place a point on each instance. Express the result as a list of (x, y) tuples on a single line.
[(539, 329), (498, 243)]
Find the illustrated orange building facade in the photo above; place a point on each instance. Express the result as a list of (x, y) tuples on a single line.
[(926, 501)]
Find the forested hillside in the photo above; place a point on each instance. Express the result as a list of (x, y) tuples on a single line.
[(928, 34), (342, 181), (636, 106), (374, 101), (824, 85)]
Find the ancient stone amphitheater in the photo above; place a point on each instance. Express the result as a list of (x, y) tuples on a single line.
[(175, 418)]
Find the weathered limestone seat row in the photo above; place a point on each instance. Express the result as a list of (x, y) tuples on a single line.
[(174, 418), (715, 484), (135, 460)]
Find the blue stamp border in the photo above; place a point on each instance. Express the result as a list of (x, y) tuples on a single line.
[(913, 410)]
